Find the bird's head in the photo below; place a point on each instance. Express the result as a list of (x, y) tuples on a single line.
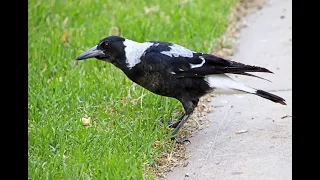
[(108, 49)]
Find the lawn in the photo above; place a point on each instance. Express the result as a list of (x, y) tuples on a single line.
[(125, 118)]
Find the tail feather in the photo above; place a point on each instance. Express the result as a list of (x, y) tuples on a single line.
[(219, 65), (247, 74), (222, 83), (271, 97)]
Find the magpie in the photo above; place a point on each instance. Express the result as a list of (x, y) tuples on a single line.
[(174, 71)]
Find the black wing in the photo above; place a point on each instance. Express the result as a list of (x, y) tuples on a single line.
[(199, 65)]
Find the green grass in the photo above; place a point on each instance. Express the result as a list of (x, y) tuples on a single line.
[(126, 118)]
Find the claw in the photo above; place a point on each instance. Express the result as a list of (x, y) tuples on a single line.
[(183, 141), (180, 141)]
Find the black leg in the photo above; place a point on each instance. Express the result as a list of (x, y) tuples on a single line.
[(184, 120), (174, 124), (188, 108), (195, 102)]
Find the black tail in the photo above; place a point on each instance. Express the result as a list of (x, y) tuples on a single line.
[(271, 97), (247, 74), (219, 65)]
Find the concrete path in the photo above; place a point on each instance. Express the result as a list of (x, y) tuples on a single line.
[(264, 148)]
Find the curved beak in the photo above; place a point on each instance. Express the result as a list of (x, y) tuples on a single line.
[(91, 53)]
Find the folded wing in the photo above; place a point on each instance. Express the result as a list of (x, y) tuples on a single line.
[(200, 65)]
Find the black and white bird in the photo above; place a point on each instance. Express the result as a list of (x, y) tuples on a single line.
[(174, 71)]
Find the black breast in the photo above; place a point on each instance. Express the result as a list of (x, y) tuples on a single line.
[(154, 81)]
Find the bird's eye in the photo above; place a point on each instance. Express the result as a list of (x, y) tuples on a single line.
[(104, 45)]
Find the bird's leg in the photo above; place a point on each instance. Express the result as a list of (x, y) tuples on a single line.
[(174, 124), (179, 126), (188, 108), (195, 102)]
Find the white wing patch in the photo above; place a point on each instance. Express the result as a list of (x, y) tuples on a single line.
[(134, 51), (225, 85), (177, 50), (198, 65)]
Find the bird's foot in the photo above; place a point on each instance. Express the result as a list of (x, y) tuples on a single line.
[(183, 141), (180, 141)]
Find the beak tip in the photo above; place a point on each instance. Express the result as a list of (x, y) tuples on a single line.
[(91, 53), (83, 56)]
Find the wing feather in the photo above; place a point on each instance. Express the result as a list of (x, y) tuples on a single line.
[(198, 65)]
